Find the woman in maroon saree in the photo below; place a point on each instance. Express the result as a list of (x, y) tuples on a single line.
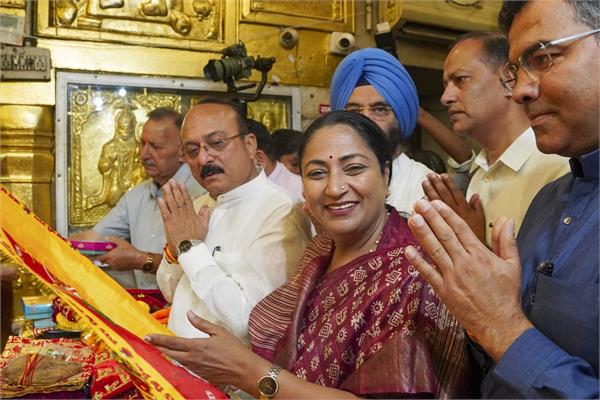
[(372, 327), (356, 318)]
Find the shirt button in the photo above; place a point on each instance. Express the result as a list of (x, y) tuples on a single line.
[(567, 220), (546, 267)]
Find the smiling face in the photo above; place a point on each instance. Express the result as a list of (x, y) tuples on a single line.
[(160, 149), (217, 171), (343, 183), (473, 93), (563, 106)]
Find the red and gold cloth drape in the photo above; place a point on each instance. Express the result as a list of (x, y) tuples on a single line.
[(111, 313)]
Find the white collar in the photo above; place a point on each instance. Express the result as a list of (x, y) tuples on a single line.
[(243, 190)]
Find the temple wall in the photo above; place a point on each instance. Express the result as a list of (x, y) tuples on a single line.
[(174, 39)]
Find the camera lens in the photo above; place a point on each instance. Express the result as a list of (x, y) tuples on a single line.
[(344, 43), (227, 68), (213, 70)]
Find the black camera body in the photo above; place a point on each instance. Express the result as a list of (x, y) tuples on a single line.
[(236, 64)]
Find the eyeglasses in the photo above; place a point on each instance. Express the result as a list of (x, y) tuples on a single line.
[(536, 60), (378, 112), (213, 147)]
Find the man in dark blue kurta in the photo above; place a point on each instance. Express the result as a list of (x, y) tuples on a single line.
[(535, 311)]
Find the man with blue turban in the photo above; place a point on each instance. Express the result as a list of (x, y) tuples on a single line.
[(374, 83)]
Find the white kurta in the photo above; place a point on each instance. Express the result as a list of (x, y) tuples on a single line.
[(405, 187), (255, 239)]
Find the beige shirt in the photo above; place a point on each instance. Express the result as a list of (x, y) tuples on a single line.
[(508, 186)]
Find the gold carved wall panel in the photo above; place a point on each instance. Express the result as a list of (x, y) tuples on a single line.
[(273, 112), (183, 24), (104, 131), (460, 15), (13, 3), (326, 15)]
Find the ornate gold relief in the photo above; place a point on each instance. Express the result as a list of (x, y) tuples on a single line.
[(274, 113), (460, 15), (105, 122), (326, 15), (12, 3), (186, 24), (104, 142)]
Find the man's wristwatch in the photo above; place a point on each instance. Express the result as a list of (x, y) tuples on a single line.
[(268, 385), (148, 264), (185, 245)]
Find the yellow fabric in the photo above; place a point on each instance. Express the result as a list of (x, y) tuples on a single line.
[(73, 270)]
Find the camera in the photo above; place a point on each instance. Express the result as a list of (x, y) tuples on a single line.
[(235, 64), (341, 43), (288, 38)]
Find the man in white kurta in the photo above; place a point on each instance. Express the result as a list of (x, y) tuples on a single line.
[(405, 187), (240, 241)]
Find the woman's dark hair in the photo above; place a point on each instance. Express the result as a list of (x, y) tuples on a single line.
[(370, 133)]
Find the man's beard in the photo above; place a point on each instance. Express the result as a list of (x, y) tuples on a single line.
[(393, 135)]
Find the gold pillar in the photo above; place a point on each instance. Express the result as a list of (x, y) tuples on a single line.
[(26, 155), (26, 169)]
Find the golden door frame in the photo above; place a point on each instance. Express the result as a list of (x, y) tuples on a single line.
[(98, 126)]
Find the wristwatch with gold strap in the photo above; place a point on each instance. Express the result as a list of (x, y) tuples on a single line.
[(268, 385), (149, 263)]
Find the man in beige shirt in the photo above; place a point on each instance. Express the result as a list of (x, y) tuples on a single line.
[(509, 170)]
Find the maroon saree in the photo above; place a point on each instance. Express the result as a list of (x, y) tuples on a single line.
[(373, 327)]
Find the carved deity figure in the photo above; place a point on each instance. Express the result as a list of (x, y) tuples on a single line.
[(117, 161), (268, 120)]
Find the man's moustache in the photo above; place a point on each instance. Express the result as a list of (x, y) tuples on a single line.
[(210, 169)]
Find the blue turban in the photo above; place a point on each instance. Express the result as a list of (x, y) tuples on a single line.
[(385, 73)]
